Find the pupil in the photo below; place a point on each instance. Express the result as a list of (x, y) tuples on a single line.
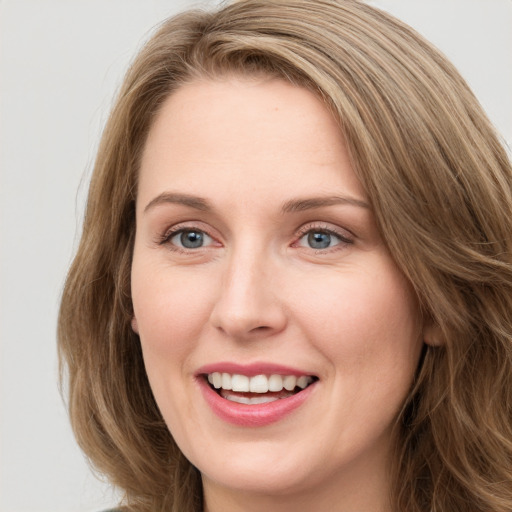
[(191, 239), (318, 240)]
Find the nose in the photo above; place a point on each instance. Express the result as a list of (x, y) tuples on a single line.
[(248, 304)]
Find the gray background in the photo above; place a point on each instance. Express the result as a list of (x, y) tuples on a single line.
[(60, 64)]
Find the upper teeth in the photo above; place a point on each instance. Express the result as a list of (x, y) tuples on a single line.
[(258, 383)]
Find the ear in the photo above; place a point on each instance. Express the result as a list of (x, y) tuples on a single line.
[(135, 326), (432, 334)]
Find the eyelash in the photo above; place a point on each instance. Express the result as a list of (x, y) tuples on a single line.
[(344, 240), (166, 238)]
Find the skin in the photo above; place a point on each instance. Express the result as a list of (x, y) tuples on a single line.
[(256, 291)]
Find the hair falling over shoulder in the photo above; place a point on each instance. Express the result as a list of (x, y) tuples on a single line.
[(440, 185)]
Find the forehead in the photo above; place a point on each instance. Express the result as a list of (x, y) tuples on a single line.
[(241, 135)]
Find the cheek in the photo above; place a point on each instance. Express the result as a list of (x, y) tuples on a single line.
[(365, 322), (170, 308)]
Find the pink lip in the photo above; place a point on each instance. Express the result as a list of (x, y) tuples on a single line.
[(250, 369), (256, 415)]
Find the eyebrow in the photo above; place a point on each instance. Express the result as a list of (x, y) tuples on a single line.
[(195, 202), (293, 205), (299, 205)]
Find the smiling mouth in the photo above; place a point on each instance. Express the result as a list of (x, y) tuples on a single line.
[(258, 389)]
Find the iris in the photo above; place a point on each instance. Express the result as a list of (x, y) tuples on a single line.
[(319, 240), (191, 239)]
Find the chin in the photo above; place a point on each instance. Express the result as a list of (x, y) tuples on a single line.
[(266, 480)]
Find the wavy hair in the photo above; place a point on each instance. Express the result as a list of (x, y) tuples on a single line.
[(440, 185)]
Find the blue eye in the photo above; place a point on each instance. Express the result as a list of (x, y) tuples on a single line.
[(190, 239), (320, 239)]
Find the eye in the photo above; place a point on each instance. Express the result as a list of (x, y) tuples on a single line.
[(321, 239), (190, 239)]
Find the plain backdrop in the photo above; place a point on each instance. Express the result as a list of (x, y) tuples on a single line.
[(61, 62)]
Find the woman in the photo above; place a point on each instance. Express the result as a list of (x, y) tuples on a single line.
[(294, 285)]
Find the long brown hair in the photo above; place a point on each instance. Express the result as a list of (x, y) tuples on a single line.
[(440, 185)]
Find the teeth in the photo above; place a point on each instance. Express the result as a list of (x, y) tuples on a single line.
[(258, 383), (303, 381), (226, 381), (289, 382), (240, 383), (250, 400), (217, 380), (275, 383)]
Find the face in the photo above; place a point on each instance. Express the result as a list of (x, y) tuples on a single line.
[(279, 337)]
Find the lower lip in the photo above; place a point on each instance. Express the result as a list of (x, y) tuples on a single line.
[(256, 415)]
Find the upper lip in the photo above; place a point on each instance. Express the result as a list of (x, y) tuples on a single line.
[(252, 369)]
